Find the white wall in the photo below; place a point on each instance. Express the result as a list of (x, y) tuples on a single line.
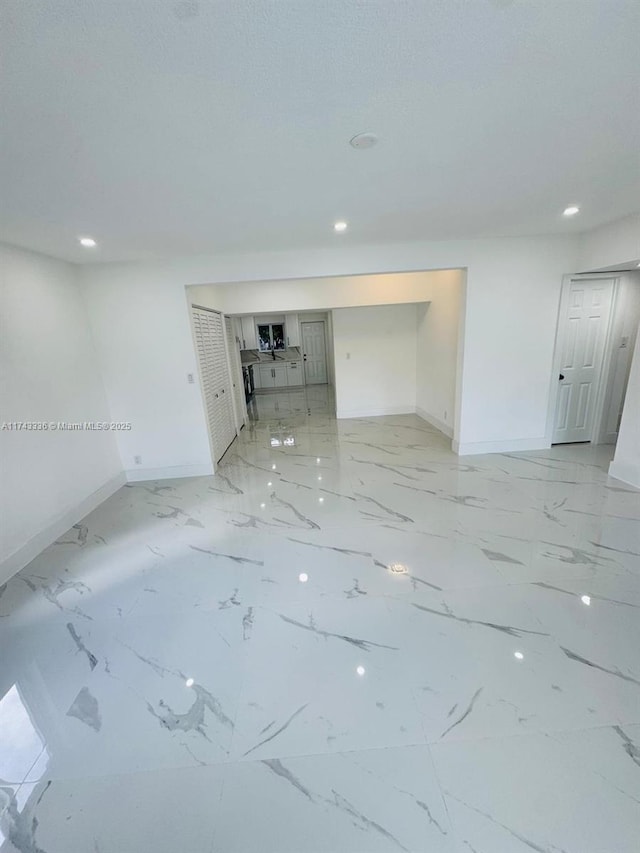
[(141, 327), (626, 461), (610, 246), (331, 360), (513, 287), (50, 372), (625, 321), (375, 359), (322, 292), (607, 248), (437, 354)]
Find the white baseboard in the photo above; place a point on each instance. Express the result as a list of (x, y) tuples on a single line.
[(625, 471), (375, 413), (136, 475), (518, 445), (53, 531), (434, 421), (27, 552)]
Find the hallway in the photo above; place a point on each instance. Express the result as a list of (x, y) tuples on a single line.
[(348, 640)]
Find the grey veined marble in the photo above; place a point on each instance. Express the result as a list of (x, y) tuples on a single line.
[(347, 641), (85, 708)]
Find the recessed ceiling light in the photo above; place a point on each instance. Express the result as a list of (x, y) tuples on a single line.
[(87, 242), (571, 210), (362, 141), (340, 226), (518, 655)]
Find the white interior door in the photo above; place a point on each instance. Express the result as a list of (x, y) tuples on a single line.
[(314, 351), (584, 322), (214, 375)]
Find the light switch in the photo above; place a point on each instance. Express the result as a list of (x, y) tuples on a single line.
[(190, 378), (348, 356), (624, 343)]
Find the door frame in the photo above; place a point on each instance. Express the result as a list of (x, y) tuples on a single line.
[(203, 399), (596, 427), (326, 360), (240, 417)]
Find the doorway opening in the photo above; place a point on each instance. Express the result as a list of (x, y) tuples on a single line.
[(284, 352), (598, 323)]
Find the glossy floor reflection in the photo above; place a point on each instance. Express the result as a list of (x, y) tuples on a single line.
[(348, 641)]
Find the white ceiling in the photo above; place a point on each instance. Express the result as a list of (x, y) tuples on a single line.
[(181, 127)]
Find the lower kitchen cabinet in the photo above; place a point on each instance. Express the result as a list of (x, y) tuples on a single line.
[(271, 375), (278, 375), (257, 378), (295, 374)]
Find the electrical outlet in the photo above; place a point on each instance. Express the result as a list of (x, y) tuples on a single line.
[(190, 378), (624, 343), (348, 356), (445, 414), (137, 460)]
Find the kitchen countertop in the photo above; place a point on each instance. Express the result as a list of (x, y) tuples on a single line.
[(266, 358)]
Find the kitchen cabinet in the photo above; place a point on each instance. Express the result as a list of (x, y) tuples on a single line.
[(292, 328), (295, 373), (248, 338), (270, 376), (267, 378), (236, 324), (279, 375)]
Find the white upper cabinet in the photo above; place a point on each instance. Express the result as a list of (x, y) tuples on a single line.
[(292, 330), (248, 339), (236, 325)]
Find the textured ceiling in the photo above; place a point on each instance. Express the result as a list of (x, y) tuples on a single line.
[(181, 127)]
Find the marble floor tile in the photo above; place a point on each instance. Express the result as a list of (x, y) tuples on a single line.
[(354, 802), (334, 688), (163, 811), (505, 671), (130, 695), (570, 791), (348, 639)]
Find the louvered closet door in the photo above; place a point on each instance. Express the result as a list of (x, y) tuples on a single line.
[(236, 374), (214, 372)]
